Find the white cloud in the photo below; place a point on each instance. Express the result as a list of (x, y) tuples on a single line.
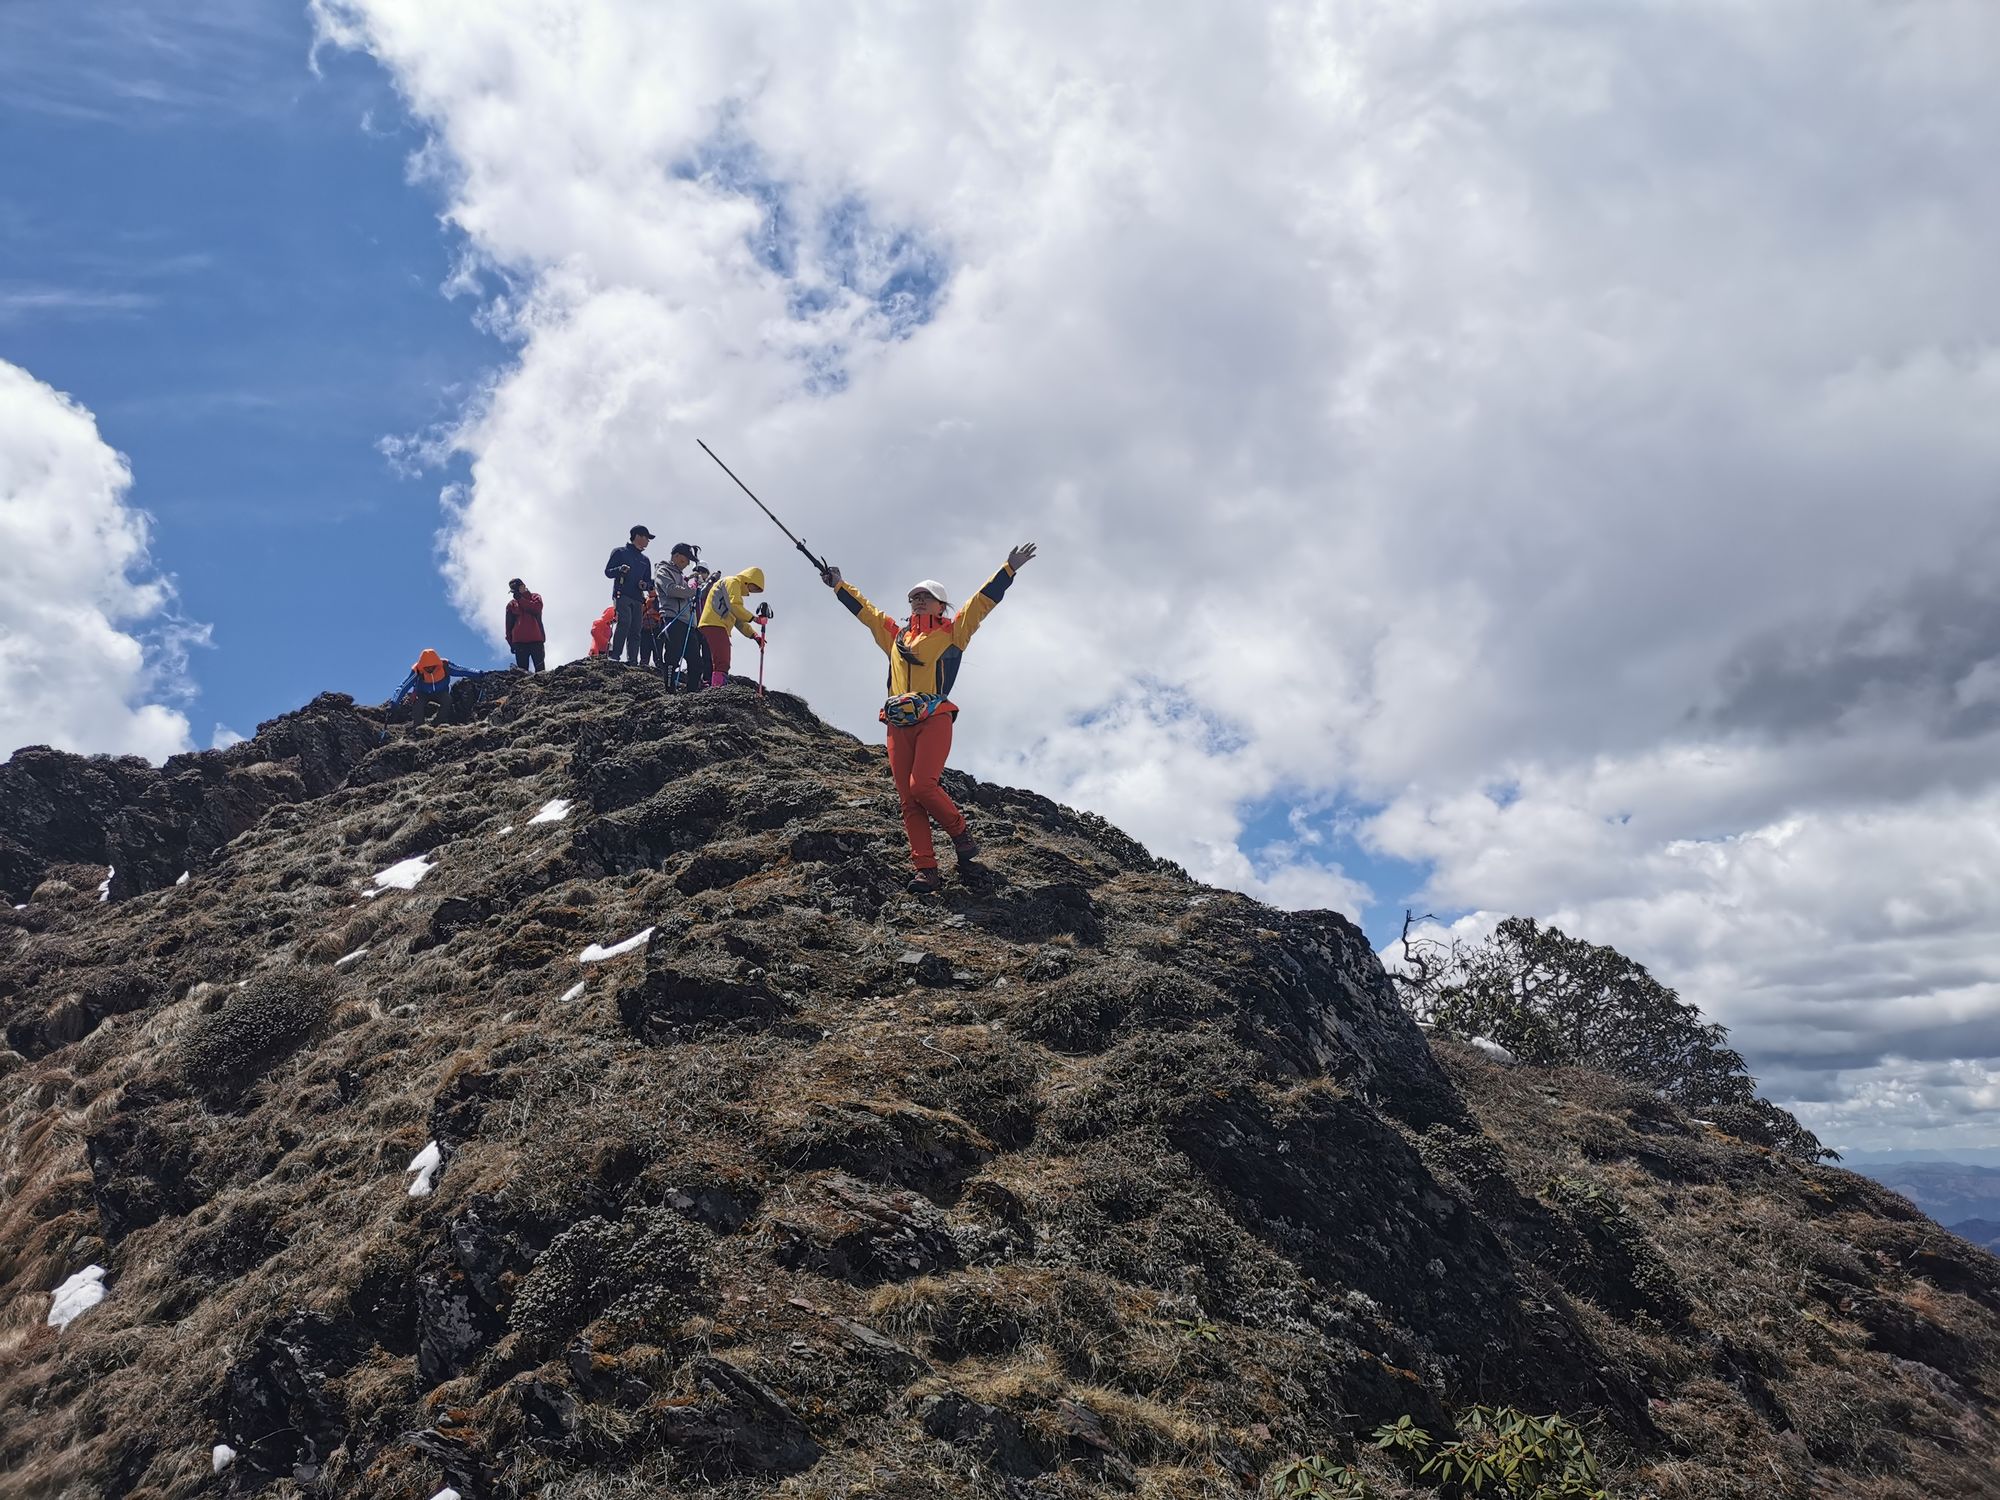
[(224, 737), (75, 583), (1411, 402)]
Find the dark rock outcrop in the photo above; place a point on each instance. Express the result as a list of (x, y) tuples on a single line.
[(152, 823)]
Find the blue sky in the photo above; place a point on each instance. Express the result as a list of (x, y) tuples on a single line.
[(252, 295), (230, 270)]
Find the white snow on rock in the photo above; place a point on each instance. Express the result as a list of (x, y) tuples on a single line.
[(447, 1493), (77, 1296), (553, 811), (1492, 1049), (221, 1456), (425, 1164), (349, 958), (572, 992), (508, 829), (184, 877), (594, 953), (104, 890), (402, 876)]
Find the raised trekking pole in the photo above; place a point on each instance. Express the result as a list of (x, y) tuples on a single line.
[(764, 621), (819, 564)]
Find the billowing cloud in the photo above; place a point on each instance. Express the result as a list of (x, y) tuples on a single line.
[(1542, 424), (75, 586)]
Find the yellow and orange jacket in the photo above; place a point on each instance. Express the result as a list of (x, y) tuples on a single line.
[(924, 654), (726, 607)]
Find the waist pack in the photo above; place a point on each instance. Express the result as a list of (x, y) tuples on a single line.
[(906, 709)]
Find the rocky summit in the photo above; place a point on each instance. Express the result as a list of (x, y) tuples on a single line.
[(573, 1103)]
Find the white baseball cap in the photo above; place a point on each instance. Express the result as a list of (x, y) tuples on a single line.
[(932, 587)]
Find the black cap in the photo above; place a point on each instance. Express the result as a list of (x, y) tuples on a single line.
[(515, 583), (686, 549), (640, 531)]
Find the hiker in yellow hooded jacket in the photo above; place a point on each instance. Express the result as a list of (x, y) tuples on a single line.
[(724, 609), (924, 655)]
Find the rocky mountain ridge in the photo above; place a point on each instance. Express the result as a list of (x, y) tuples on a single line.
[(573, 1103)]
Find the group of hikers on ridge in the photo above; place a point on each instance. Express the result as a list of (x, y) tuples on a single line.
[(664, 614)]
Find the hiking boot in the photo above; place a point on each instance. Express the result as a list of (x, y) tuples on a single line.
[(926, 882), (966, 847)]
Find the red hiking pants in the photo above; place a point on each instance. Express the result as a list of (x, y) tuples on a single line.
[(916, 759), (717, 637)]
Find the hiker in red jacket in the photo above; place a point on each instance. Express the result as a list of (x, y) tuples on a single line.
[(524, 628), (650, 623), (600, 633)]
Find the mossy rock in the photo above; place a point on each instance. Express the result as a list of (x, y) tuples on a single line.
[(640, 1272), (258, 1026)]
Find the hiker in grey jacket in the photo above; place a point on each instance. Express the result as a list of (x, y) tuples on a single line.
[(677, 606)]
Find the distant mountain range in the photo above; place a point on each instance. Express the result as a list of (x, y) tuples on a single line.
[(1980, 1231), (1864, 1160), (1962, 1197)]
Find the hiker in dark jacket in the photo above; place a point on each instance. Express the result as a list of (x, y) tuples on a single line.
[(524, 628), (701, 580), (631, 575)]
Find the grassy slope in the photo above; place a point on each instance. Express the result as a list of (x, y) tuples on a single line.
[(1080, 1180)]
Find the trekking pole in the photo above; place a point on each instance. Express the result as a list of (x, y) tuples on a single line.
[(764, 621), (819, 564)]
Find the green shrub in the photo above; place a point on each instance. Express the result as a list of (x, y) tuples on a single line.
[(1550, 998), (1320, 1476), (258, 1025), (1497, 1451)]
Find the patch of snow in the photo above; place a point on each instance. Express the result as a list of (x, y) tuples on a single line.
[(77, 1296), (594, 953), (104, 890), (572, 992), (447, 1493), (553, 811), (426, 1164), (20, 906), (402, 876), (184, 877), (1492, 1049), (508, 829), (221, 1456), (351, 957)]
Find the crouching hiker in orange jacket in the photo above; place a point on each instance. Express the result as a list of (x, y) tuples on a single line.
[(924, 655)]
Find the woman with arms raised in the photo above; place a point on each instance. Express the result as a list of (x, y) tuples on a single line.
[(924, 654)]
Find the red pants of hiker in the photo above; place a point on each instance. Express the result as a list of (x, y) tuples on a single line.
[(716, 637), (916, 759)]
